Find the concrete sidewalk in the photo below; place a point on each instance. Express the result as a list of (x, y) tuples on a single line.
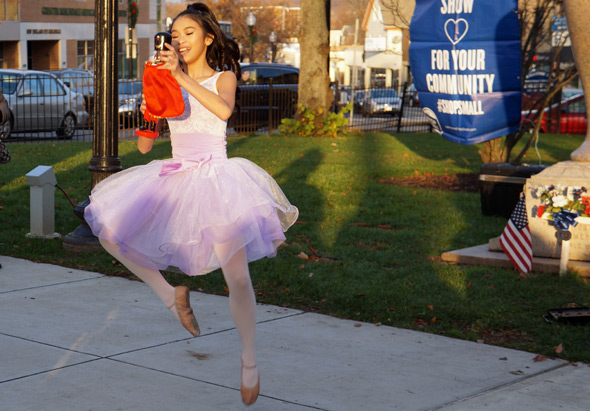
[(77, 340)]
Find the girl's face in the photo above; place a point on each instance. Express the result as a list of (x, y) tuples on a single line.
[(189, 39)]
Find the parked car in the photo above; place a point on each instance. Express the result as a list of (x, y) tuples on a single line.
[(381, 101), (129, 103), (567, 117), (80, 81), (39, 101), (268, 93)]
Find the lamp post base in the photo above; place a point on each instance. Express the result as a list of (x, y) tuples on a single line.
[(81, 239)]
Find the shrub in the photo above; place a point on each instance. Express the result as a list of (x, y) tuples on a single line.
[(316, 123)]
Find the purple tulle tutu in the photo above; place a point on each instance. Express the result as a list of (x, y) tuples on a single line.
[(195, 210), (163, 214)]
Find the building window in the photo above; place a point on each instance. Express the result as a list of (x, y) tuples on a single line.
[(127, 66), (9, 10), (85, 55)]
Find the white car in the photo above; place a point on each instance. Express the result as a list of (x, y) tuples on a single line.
[(381, 101), (39, 101)]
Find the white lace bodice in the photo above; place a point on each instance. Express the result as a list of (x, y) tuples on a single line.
[(196, 119)]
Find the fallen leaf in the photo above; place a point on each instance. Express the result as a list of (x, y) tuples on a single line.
[(421, 323), (431, 307), (303, 256), (378, 324), (539, 358), (519, 372), (503, 358), (358, 325), (559, 348), (480, 341), (469, 285), (310, 275), (433, 320)]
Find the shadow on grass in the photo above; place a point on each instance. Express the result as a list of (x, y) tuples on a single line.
[(434, 147)]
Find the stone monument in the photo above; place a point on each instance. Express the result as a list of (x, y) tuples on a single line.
[(565, 182)]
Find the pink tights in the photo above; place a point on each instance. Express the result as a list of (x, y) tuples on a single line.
[(242, 301)]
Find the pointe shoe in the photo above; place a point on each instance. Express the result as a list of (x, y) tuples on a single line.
[(249, 395), (184, 310)]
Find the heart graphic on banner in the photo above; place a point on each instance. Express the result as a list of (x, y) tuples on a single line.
[(455, 35)]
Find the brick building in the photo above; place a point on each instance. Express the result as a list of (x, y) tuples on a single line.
[(49, 35)]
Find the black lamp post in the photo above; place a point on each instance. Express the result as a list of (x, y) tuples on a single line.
[(251, 22), (273, 46), (105, 143)]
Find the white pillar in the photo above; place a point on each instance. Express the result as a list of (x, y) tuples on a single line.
[(368, 77), (42, 182), (388, 76)]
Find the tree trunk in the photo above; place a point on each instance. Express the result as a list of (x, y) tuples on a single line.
[(314, 39), (493, 151)]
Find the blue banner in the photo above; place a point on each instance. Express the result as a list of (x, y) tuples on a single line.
[(465, 60)]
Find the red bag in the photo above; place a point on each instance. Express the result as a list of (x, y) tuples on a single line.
[(163, 98)]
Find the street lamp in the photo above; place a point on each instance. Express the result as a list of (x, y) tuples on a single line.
[(251, 22), (273, 46)]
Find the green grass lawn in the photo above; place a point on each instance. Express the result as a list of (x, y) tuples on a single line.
[(375, 248)]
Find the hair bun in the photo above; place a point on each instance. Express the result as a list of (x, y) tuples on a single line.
[(202, 7)]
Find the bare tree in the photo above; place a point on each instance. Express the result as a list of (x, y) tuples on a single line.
[(270, 16), (401, 10), (536, 37)]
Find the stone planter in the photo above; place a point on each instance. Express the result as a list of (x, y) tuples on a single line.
[(500, 185), (545, 238)]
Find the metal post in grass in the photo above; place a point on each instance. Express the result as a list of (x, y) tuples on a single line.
[(105, 151)]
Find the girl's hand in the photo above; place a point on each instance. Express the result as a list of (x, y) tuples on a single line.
[(171, 61)]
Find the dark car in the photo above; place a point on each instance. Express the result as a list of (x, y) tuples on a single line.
[(268, 93)]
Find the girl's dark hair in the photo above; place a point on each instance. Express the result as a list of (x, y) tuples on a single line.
[(223, 54)]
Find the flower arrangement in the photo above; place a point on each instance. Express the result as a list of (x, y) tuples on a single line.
[(132, 13), (559, 198)]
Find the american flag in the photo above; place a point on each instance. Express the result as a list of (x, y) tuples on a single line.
[(516, 238)]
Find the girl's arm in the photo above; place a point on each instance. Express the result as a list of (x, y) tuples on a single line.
[(222, 104)]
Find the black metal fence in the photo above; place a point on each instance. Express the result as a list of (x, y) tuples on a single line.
[(59, 105)]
